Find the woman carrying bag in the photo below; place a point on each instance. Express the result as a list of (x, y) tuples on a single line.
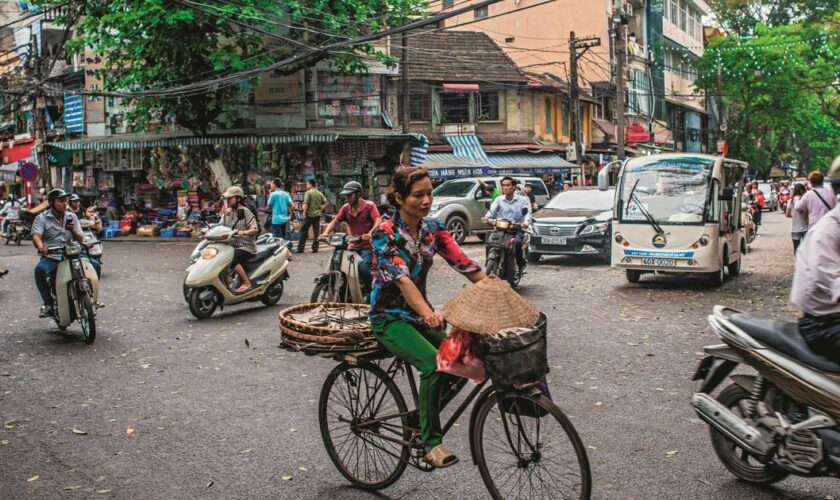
[(402, 317)]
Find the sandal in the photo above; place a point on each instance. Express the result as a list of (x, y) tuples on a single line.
[(243, 289), (440, 457)]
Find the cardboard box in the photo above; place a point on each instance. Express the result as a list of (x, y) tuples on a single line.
[(148, 230)]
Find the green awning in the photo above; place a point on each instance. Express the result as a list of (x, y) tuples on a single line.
[(227, 137)]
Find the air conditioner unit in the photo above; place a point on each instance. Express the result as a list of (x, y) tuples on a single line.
[(628, 9)]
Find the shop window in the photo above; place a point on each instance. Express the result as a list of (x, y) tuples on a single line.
[(548, 119), (448, 4), (481, 12), (455, 107), (488, 106), (421, 107)]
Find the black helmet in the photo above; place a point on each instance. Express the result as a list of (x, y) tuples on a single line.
[(75, 197), (352, 187), (56, 194)]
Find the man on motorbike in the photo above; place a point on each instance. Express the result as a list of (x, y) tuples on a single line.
[(816, 280), (55, 227), (244, 223), (75, 205), (363, 218), (95, 226), (517, 209), (11, 210)]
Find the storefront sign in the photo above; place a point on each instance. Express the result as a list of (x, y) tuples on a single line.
[(278, 93), (636, 133), (455, 173), (74, 113)]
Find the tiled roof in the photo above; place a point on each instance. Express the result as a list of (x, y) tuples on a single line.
[(459, 56)]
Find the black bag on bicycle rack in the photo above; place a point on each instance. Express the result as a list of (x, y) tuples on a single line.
[(516, 357)]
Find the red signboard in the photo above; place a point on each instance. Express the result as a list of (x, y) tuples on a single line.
[(637, 133), (17, 152)]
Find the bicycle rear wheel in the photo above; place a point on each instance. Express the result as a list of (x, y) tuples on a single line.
[(526, 447), (362, 413)]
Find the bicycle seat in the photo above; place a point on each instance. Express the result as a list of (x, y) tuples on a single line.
[(784, 337)]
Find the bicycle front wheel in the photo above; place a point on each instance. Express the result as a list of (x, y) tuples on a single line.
[(526, 447), (363, 420)]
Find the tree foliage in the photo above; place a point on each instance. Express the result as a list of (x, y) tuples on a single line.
[(152, 44), (740, 17), (779, 93)]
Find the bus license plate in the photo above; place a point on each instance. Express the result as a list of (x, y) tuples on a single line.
[(651, 261), (553, 240)]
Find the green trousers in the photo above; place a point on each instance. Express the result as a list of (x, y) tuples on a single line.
[(418, 346)]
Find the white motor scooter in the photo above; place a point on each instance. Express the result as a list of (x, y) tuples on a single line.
[(210, 280), (75, 290)]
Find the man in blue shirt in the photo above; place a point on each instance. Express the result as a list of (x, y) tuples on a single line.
[(517, 209), (280, 204), (53, 228)]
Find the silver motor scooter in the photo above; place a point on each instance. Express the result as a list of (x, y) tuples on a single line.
[(211, 281), (342, 282)]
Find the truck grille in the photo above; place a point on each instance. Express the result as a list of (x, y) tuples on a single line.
[(546, 230)]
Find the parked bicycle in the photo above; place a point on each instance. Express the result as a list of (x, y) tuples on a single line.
[(523, 444)]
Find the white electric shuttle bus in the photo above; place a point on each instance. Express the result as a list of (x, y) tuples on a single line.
[(678, 213)]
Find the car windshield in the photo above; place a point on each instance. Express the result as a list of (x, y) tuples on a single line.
[(454, 189), (765, 189), (672, 190), (583, 200)]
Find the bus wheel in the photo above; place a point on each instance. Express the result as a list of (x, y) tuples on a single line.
[(633, 275), (720, 275)]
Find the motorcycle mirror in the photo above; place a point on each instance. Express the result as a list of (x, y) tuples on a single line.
[(524, 211), (488, 204)]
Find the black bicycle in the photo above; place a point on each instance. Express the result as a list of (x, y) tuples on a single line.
[(522, 443)]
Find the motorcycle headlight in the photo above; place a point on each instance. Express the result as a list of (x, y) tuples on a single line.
[(209, 253), (502, 225), (72, 250), (595, 228), (337, 240)]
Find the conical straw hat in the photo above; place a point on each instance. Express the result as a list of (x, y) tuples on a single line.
[(489, 306)]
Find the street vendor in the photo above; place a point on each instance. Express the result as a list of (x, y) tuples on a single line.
[(403, 320)]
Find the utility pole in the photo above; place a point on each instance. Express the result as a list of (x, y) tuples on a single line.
[(620, 63), (577, 48), (406, 87)]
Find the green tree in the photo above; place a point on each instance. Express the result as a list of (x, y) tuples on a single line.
[(154, 44), (779, 93), (740, 17)]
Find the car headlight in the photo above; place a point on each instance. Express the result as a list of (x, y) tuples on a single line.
[(595, 228), (435, 207), (531, 229), (209, 253)]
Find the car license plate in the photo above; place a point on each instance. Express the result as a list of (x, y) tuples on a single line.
[(553, 240), (651, 261)]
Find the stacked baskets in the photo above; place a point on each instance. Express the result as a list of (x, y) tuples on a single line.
[(327, 327)]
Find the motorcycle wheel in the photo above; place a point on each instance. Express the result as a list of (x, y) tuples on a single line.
[(492, 266), (18, 238), (86, 318), (512, 275), (203, 309), (736, 460), (273, 294)]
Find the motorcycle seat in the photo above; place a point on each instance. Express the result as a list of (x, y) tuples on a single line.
[(263, 252), (783, 336)]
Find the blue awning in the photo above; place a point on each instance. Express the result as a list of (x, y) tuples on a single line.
[(443, 166), (467, 147), (534, 164)]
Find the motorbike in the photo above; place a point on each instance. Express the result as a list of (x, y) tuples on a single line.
[(75, 290), (91, 242), (779, 421), (342, 282), (501, 244), (20, 227), (262, 239), (784, 198), (211, 282)]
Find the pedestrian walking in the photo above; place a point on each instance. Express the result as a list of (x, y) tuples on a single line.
[(280, 204), (313, 205), (799, 224), (818, 201)]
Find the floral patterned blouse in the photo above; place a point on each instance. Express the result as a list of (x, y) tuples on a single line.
[(396, 254)]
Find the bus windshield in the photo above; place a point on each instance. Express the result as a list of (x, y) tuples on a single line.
[(665, 190)]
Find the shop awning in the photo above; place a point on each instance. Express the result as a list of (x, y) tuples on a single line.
[(530, 162), (467, 148), (460, 88), (227, 137), (442, 166)]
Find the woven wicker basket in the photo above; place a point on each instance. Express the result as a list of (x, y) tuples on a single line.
[(302, 335)]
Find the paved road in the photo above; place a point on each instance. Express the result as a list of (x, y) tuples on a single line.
[(215, 418)]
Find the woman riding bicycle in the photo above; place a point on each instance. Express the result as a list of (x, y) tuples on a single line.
[(403, 319)]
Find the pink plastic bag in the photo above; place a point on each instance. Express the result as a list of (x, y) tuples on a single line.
[(457, 355)]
